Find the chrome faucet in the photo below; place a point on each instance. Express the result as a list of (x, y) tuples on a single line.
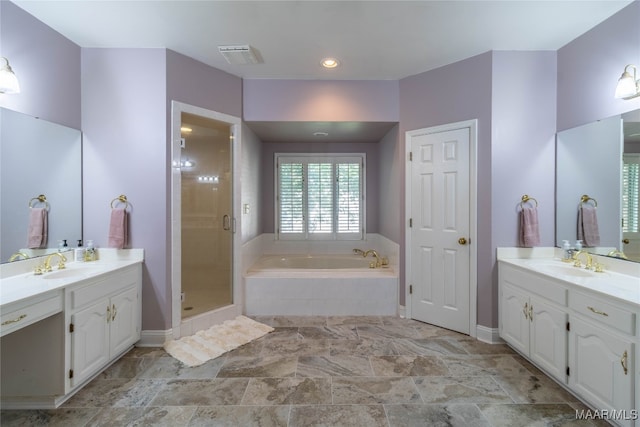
[(18, 255), (47, 261), (577, 263)]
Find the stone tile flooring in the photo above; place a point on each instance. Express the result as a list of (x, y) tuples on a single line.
[(319, 371)]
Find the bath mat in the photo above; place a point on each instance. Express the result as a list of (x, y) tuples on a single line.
[(196, 349)]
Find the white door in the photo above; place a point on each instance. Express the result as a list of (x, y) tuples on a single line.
[(440, 228)]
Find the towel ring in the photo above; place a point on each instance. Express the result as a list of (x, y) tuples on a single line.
[(585, 199), (122, 199), (526, 199), (42, 199)]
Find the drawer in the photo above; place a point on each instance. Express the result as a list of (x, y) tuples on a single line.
[(31, 312), (89, 293), (536, 283), (602, 311)]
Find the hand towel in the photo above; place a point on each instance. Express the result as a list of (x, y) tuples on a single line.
[(529, 232), (118, 235), (37, 230), (588, 225)]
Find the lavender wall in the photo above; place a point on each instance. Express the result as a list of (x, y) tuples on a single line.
[(523, 141), (456, 92), (321, 100), (267, 187), (252, 176), (125, 152), (198, 84), (522, 151), (389, 181), (589, 68), (47, 65)]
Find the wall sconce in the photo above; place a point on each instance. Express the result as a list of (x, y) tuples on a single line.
[(8, 80), (628, 85)]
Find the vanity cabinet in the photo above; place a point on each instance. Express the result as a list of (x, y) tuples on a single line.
[(61, 329), (584, 338), (601, 353), (104, 322), (534, 325)]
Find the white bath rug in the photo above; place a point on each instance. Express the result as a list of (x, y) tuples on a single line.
[(196, 349)]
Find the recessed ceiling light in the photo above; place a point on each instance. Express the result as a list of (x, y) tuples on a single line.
[(320, 134), (330, 63)]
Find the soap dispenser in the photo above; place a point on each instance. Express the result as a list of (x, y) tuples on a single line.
[(566, 251), (78, 253), (578, 245)]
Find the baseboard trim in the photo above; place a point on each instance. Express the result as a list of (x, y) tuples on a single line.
[(488, 335), (154, 338)]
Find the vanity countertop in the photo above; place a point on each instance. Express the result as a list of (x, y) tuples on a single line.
[(17, 286), (623, 285)]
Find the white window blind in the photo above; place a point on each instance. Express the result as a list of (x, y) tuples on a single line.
[(630, 194), (320, 196)]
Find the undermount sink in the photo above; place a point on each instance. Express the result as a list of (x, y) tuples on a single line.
[(566, 270), (71, 272)]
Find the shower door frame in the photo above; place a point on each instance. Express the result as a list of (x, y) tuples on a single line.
[(218, 315)]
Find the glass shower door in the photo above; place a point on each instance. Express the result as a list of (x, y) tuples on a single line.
[(206, 210)]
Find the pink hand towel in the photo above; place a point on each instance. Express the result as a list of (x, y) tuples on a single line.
[(529, 233), (588, 225), (37, 230), (118, 236)]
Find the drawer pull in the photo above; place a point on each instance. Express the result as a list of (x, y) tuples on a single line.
[(113, 312), (531, 312), (108, 314), (526, 310), (602, 313), (623, 362), (8, 322)]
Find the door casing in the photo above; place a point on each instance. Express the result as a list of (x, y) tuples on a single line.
[(473, 261), (224, 313)]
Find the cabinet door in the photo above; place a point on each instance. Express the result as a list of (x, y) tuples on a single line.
[(89, 341), (597, 373), (124, 321), (514, 317), (548, 341)]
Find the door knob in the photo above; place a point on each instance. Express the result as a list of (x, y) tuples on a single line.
[(462, 241), (625, 241)]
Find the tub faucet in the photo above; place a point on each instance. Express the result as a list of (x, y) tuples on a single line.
[(359, 252), (375, 254)]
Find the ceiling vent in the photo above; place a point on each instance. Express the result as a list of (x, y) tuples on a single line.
[(240, 55)]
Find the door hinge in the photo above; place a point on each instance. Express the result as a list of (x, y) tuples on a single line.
[(568, 326), (410, 222), (410, 289), (411, 156), (71, 327), (567, 371), (70, 373)]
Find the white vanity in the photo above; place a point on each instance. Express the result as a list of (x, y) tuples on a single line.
[(580, 327), (62, 328)]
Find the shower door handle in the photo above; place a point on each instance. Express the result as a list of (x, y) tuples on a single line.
[(226, 223)]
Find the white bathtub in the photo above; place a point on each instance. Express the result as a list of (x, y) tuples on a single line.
[(323, 285)]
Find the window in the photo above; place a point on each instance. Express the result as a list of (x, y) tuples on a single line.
[(320, 196), (630, 193)]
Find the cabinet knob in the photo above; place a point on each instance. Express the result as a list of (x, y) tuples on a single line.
[(625, 241)]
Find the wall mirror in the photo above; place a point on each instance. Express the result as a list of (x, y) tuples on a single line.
[(601, 160), (38, 158)]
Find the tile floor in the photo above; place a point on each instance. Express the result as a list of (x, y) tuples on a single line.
[(319, 371)]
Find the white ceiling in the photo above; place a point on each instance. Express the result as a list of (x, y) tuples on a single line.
[(374, 40)]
